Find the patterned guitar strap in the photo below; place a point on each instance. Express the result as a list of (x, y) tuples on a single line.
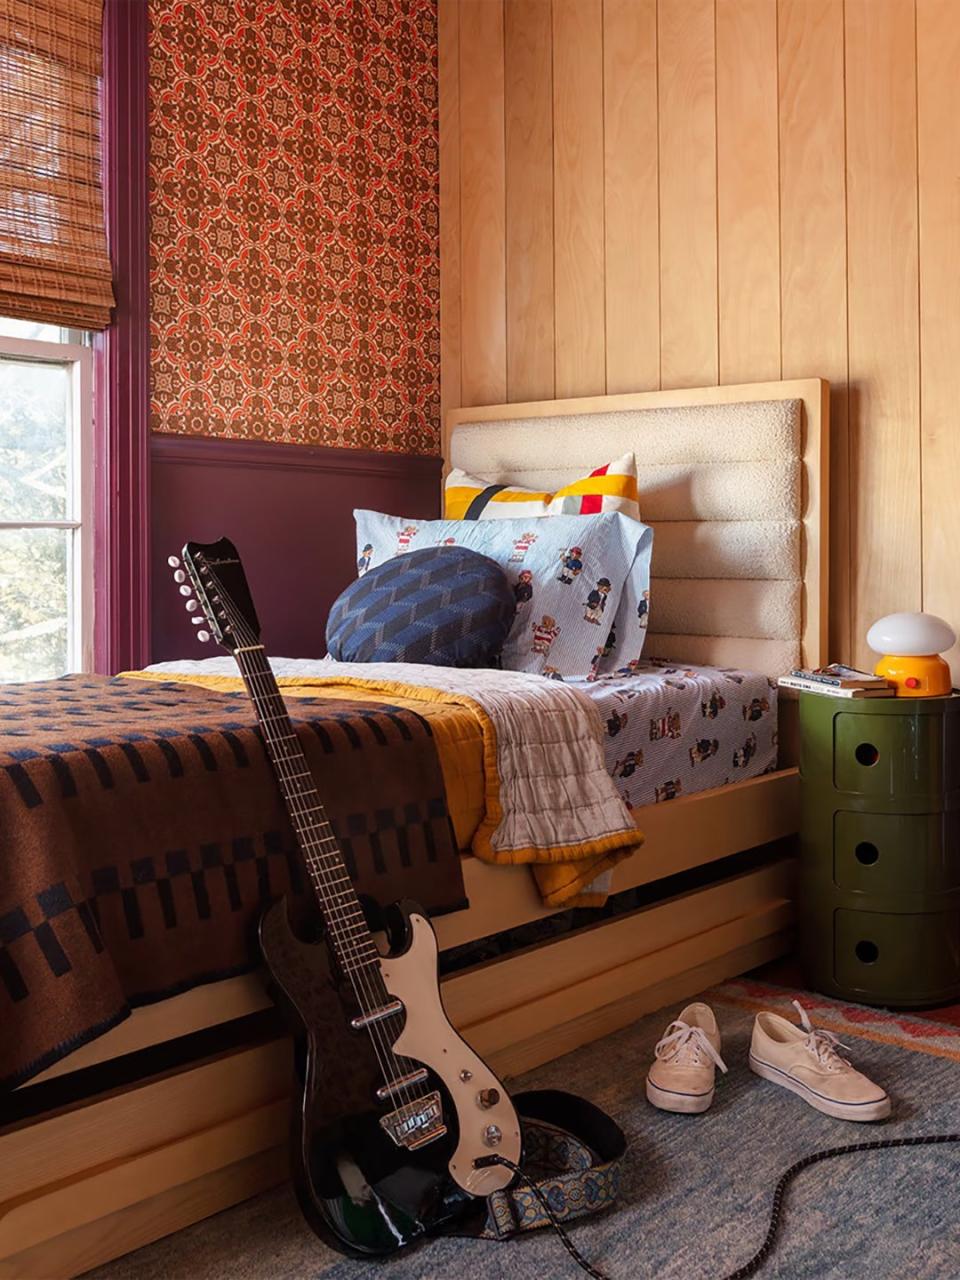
[(572, 1151)]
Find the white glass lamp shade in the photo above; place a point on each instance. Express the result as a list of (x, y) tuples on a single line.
[(911, 635)]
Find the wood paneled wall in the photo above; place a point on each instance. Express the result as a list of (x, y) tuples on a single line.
[(661, 193)]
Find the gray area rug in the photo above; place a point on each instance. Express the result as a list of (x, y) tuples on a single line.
[(696, 1189)]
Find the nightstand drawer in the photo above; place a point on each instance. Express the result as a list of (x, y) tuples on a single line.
[(904, 853), (890, 755), (897, 958)]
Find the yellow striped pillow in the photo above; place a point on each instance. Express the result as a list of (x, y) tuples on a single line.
[(609, 488)]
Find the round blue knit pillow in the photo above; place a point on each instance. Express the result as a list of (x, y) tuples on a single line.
[(444, 606)]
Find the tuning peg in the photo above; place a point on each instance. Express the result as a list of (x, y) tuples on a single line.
[(203, 636), (173, 562), (192, 606), (198, 620), (179, 575), (186, 590)]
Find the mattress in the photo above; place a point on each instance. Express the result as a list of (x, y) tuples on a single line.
[(672, 730), (669, 730)]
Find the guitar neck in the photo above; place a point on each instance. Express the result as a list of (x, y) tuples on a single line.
[(343, 915)]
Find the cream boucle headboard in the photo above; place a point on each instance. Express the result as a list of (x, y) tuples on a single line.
[(733, 481)]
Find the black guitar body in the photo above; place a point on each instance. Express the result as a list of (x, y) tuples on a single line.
[(360, 1192)]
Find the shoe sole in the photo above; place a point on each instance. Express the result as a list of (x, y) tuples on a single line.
[(685, 1103), (860, 1112)]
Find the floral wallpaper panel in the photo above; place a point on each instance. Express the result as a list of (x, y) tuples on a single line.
[(294, 221)]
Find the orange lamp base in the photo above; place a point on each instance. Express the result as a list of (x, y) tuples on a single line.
[(926, 676)]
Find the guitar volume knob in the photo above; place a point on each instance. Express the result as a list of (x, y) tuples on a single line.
[(488, 1098), (492, 1135)]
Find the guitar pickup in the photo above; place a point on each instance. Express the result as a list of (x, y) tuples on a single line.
[(397, 1086), (376, 1015)]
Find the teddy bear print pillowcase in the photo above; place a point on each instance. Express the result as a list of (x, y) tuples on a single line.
[(567, 575)]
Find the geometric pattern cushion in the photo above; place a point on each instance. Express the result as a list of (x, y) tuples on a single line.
[(443, 606)]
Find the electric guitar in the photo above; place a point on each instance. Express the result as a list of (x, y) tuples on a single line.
[(393, 1110)]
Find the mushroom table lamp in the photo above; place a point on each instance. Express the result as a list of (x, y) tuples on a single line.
[(911, 644)]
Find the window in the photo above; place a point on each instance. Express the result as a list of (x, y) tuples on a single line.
[(46, 552)]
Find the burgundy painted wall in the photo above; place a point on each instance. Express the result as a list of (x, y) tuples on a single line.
[(289, 509)]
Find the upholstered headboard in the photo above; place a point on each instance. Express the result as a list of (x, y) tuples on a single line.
[(733, 481)]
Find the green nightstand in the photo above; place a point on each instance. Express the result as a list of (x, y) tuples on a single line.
[(880, 848)]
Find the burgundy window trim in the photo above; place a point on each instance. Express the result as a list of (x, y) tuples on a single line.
[(122, 354)]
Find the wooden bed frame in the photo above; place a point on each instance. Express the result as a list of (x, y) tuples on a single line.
[(124, 1164)]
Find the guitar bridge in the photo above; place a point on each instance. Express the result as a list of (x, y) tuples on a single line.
[(416, 1123)]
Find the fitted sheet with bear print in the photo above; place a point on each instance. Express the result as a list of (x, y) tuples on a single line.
[(671, 730)]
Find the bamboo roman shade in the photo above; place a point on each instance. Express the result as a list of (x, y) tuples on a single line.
[(54, 265)]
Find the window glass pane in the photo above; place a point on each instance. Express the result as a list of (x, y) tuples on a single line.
[(34, 596), (32, 329), (34, 435)]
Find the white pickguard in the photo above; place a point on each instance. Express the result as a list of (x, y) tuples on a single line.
[(429, 1038)]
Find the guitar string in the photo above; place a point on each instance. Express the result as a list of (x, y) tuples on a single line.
[(348, 948), (382, 1049), (352, 955), (345, 941), (377, 1030)]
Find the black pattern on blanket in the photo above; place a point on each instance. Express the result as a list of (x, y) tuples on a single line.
[(143, 833)]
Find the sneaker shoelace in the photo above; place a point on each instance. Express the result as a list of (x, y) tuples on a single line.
[(686, 1046), (823, 1044)]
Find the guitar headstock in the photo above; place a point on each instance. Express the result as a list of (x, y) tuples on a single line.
[(214, 586)]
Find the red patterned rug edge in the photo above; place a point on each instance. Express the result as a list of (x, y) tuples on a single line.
[(908, 1031)]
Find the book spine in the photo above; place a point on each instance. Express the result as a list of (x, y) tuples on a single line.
[(814, 686)]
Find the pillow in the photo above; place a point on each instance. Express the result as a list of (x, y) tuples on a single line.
[(444, 606), (609, 488), (566, 575)]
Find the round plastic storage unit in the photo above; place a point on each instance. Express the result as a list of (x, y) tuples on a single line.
[(880, 848)]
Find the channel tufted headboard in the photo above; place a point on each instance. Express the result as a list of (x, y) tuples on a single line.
[(734, 481)]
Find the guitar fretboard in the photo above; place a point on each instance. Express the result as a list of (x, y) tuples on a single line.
[(343, 915)]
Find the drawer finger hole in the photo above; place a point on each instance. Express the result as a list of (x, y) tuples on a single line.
[(866, 853), (867, 952)]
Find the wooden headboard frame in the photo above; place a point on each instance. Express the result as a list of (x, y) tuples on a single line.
[(815, 452)]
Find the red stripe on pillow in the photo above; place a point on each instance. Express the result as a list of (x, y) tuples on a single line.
[(591, 504), (601, 471)]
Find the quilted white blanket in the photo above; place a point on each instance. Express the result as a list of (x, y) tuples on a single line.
[(550, 799)]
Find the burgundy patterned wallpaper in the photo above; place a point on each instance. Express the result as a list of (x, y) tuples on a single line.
[(294, 221)]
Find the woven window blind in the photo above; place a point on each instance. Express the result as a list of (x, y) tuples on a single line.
[(54, 265)]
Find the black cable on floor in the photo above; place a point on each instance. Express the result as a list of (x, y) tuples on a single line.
[(753, 1265)]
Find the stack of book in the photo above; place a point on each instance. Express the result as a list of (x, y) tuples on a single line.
[(838, 681)]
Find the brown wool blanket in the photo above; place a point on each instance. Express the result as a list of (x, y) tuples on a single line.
[(142, 833)]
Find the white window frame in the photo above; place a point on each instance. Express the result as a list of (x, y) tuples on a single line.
[(78, 358)]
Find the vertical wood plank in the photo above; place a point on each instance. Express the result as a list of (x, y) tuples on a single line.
[(813, 249), (448, 57), (688, 193), (631, 195), (529, 159), (883, 311), (483, 358), (938, 84), (748, 198), (578, 197)]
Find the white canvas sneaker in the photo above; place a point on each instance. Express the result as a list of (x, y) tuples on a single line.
[(808, 1062), (685, 1061)]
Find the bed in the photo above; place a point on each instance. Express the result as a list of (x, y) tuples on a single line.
[(181, 1110)]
